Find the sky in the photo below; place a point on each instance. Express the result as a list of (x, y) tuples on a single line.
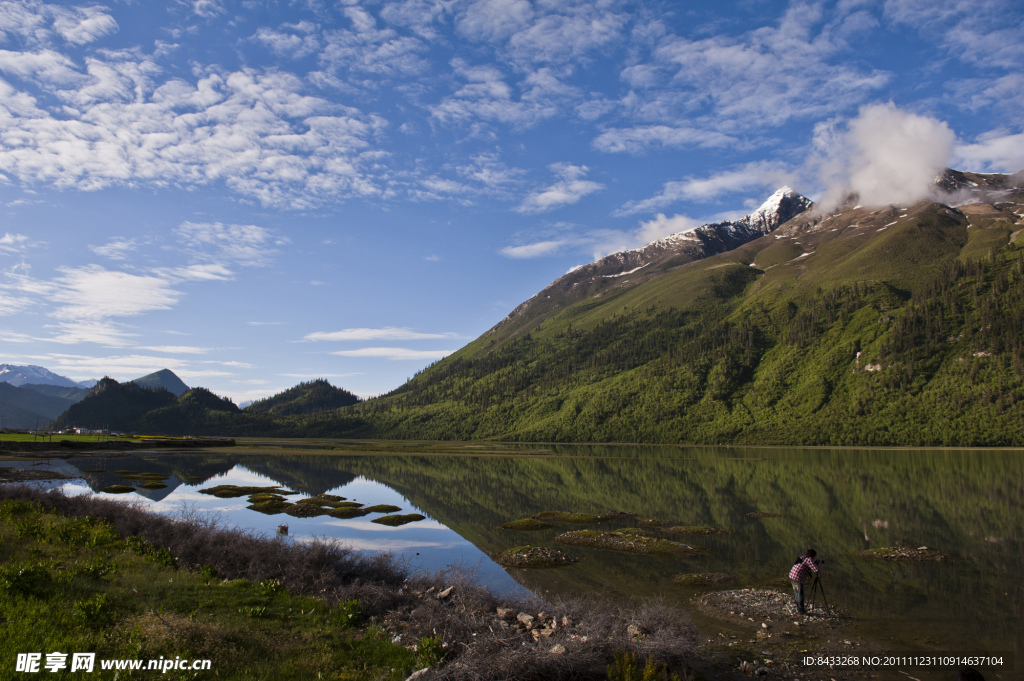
[(255, 193)]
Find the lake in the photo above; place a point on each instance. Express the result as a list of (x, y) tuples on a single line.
[(966, 504)]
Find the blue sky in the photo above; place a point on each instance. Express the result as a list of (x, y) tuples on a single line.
[(255, 193)]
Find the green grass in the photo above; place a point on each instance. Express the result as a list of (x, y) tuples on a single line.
[(28, 437), (72, 585)]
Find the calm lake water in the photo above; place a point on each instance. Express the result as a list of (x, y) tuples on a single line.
[(965, 503)]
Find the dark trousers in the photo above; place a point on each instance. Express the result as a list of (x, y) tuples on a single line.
[(798, 594)]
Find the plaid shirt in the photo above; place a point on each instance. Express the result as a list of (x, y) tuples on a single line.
[(803, 569)]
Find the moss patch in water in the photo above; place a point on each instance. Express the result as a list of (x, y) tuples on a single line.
[(233, 491), (152, 484), (902, 553), (705, 579), (382, 508), (264, 496), (628, 540), (654, 522), (694, 530), (579, 518), (533, 557), (270, 506), (396, 520), (118, 489), (328, 500), (347, 512), (525, 525), (305, 510)]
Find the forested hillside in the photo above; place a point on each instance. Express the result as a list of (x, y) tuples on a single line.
[(891, 326), (869, 327)]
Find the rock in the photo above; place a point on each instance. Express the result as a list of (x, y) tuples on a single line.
[(418, 674), (635, 631), (505, 613), (446, 593), (557, 649), (763, 625), (525, 620)]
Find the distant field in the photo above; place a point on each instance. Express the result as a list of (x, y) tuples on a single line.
[(25, 437)]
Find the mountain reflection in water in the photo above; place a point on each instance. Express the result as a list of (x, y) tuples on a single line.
[(966, 504)]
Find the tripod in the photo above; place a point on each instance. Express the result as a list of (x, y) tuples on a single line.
[(817, 587)]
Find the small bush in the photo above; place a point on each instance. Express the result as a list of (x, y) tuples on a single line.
[(95, 612), (430, 651), (270, 587), (349, 614), (26, 580)]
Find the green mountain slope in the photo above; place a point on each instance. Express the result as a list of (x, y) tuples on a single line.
[(23, 407), (891, 326), (166, 379), (305, 398), (71, 394)]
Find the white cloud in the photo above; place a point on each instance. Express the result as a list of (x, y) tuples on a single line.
[(723, 90), (10, 244), (569, 190), (201, 272), (536, 249), (367, 49), (94, 293), (175, 349), (486, 96), (248, 245), (12, 304), (885, 155), (293, 40), (256, 132), (638, 139), (385, 333), (993, 152), (757, 174), (489, 20), (81, 25), (601, 242), (115, 249), (39, 23), (394, 353), (981, 33), (205, 8), (98, 331)]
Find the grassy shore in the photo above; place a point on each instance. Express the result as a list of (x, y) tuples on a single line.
[(87, 575)]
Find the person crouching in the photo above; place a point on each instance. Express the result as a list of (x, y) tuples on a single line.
[(800, 571)]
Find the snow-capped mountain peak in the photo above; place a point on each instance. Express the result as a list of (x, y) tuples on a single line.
[(630, 267), (21, 374)]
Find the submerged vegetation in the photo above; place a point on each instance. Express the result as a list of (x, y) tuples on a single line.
[(533, 557)]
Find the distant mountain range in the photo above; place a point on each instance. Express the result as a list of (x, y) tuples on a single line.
[(22, 374), (134, 407), (33, 396)]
